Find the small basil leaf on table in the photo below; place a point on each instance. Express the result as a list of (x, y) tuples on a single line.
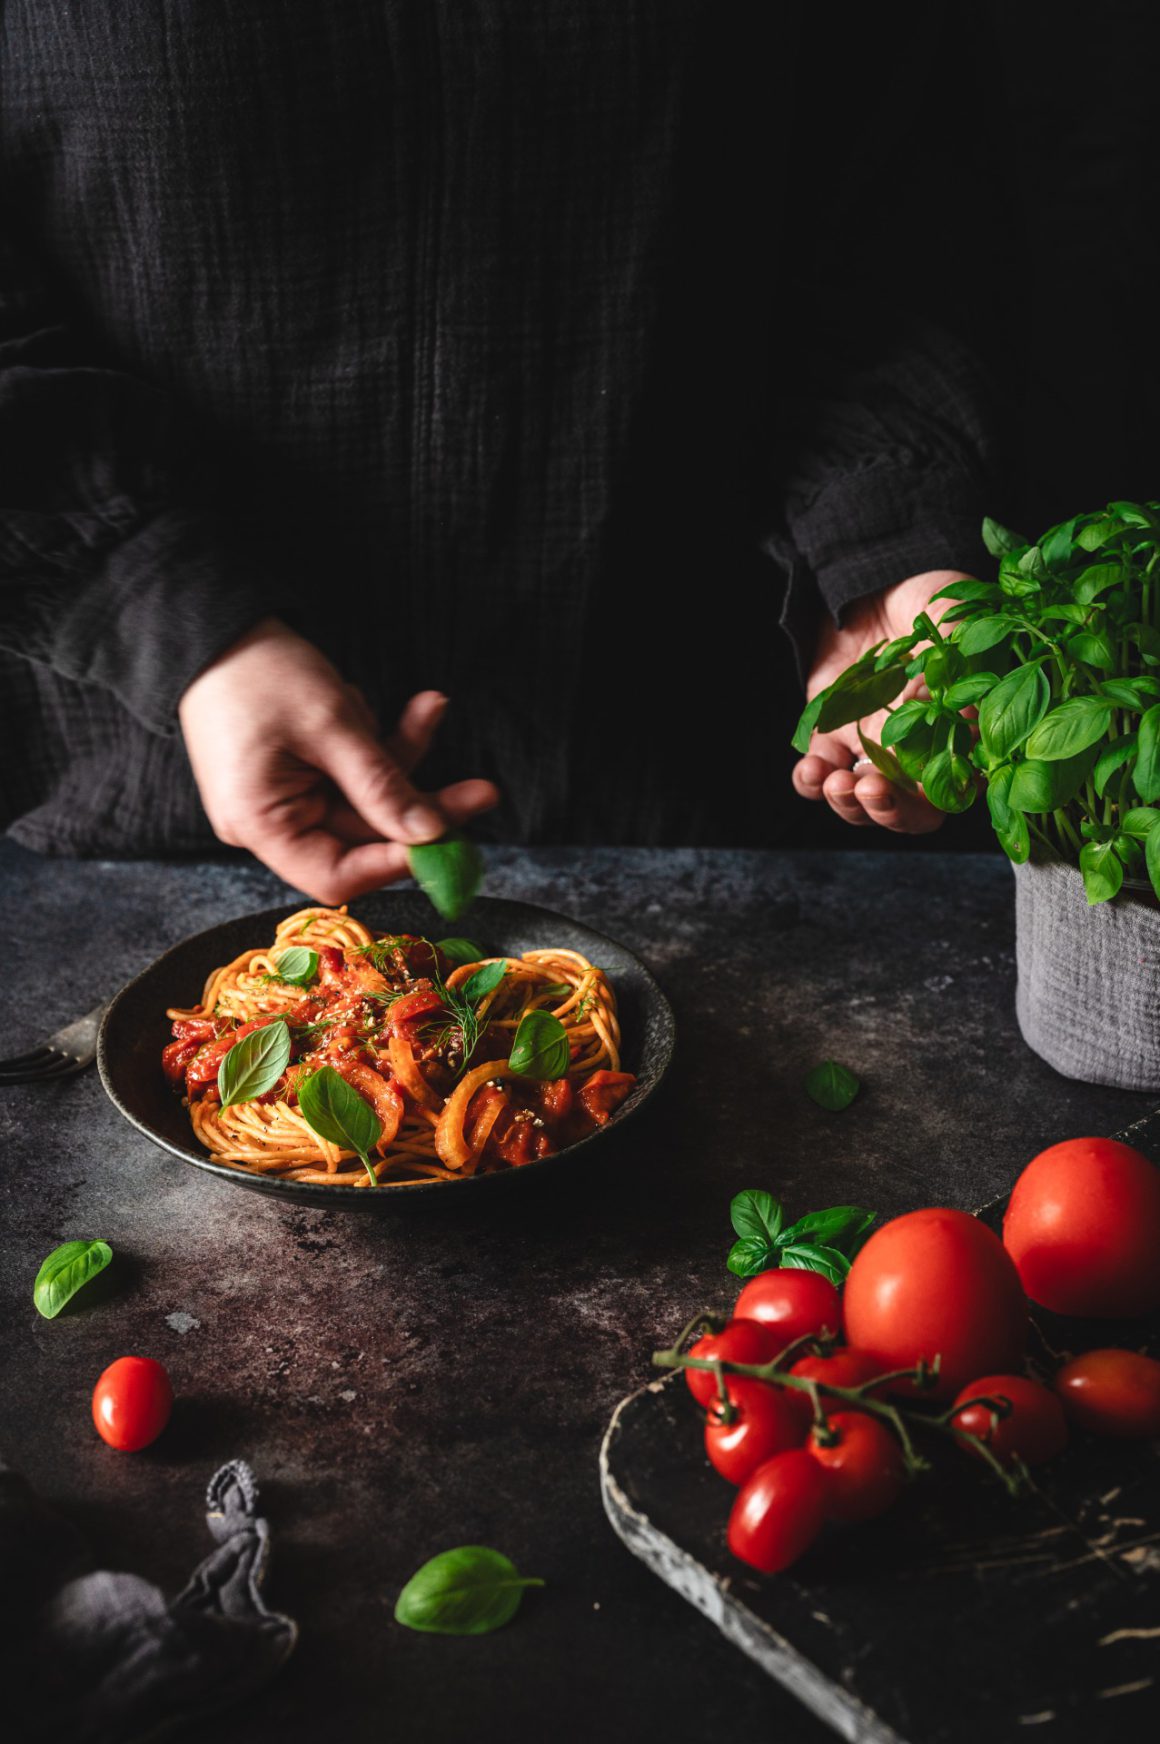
[(448, 872), (832, 1085), (460, 951), (756, 1216), (484, 981), (254, 1064), (468, 1591), (68, 1269), (339, 1114), (844, 1227), (750, 1256), (540, 1049), (297, 967)]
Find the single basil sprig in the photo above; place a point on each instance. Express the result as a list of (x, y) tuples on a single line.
[(822, 1241), (832, 1085), (460, 951), (540, 1049), (68, 1269), (297, 966), (448, 873), (254, 1064), (339, 1114), (468, 1591)]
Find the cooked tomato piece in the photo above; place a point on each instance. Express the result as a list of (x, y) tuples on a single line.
[(603, 1094), (196, 1029), (557, 1100), (412, 1007), (202, 1070), (176, 1057), (523, 1142)]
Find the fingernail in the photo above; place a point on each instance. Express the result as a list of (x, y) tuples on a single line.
[(422, 823)]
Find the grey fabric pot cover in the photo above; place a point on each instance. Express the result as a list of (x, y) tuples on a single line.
[(1088, 997)]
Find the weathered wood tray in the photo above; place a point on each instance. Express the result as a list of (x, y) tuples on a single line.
[(960, 1615)]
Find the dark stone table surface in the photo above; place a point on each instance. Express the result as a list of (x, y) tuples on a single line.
[(408, 1383)]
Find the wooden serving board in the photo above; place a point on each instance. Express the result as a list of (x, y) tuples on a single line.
[(962, 1614)]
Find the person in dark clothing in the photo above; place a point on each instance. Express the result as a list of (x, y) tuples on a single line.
[(557, 360)]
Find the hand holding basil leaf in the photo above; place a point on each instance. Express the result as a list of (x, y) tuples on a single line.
[(339, 1114), (468, 1591), (540, 1049), (255, 1063), (822, 1241), (68, 1269), (448, 872)]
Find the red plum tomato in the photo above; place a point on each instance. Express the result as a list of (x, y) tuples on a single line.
[(131, 1403), (778, 1511), (1033, 1430), (863, 1463), (937, 1283), (767, 1422), (742, 1341), (1111, 1392), (791, 1303), (1083, 1227)]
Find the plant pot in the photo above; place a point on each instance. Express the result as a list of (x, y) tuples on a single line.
[(1088, 995)]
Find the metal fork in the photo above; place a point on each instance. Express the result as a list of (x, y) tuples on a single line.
[(66, 1052)]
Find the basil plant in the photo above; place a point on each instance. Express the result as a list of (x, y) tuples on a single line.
[(1060, 655)]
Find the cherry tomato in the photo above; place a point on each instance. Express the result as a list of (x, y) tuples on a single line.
[(1083, 1227), (131, 1403), (1111, 1392), (864, 1468), (937, 1283), (792, 1303), (743, 1341), (779, 1511), (1033, 1431), (767, 1422), (846, 1367)]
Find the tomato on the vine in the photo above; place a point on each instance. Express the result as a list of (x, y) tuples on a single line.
[(1083, 1227), (741, 1341), (1111, 1392), (131, 1403), (778, 1511), (937, 1283), (792, 1303), (767, 1421), (1033, 1430), (863, 1463)]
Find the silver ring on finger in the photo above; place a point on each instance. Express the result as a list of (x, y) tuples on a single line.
[(861, 763)]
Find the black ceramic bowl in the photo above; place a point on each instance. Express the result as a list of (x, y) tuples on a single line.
[(135, 1029)]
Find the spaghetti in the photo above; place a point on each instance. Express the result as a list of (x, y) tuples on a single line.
[(410, 1034)]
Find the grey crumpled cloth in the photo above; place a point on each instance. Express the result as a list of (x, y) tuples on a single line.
[(105, 1658)]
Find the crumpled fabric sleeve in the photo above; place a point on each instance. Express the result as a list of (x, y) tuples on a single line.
[(114, 567)]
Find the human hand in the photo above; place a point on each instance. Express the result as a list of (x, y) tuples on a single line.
[(865, 796), (289, 764)]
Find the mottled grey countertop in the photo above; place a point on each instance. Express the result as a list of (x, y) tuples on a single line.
[(404, 1384)]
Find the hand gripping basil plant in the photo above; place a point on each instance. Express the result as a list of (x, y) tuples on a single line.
[(1059, 655)]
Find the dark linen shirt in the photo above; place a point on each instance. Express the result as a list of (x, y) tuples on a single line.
[(555, 355)]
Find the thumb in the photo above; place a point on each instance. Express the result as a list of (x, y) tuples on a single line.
[(377, 788)]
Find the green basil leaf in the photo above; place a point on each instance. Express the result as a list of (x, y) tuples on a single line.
[(864, 696), (999, 540), (1130, 693), (1152, 858), (893, 651), (1031, 563), (979, 634), (1094, 647), (68, 1269), (967, 589), (1039, 784), (1056, 545), (460, 951), (749, 1257), (1102, 871), (832, 1086), (804, 731), (901, 721), (1070, 728), (1146, 770), (947, 781), (844, 1227), (1091, 537), (1113, 757), (297, 967), (815, 1257), (1016, 581), (1066, 614), (970, 690), (254, 1064), (484, 981), (756, 1216), (448, 872), (885, 763), (339, 1114), (1140, 822), (1133, 514), (1096, 580), (1013, 709), (540, 1049), (467, 1591), (913, 751), (1147, 640)]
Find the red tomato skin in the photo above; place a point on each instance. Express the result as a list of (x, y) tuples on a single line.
[(937, 1282), (1036, 1429), (132, 1401), (864, 1469), (743, 1341), (1111, 1392), (846, 1367), (1083, 1227), (768, 1423), (792, 1303), (778, 1511)]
